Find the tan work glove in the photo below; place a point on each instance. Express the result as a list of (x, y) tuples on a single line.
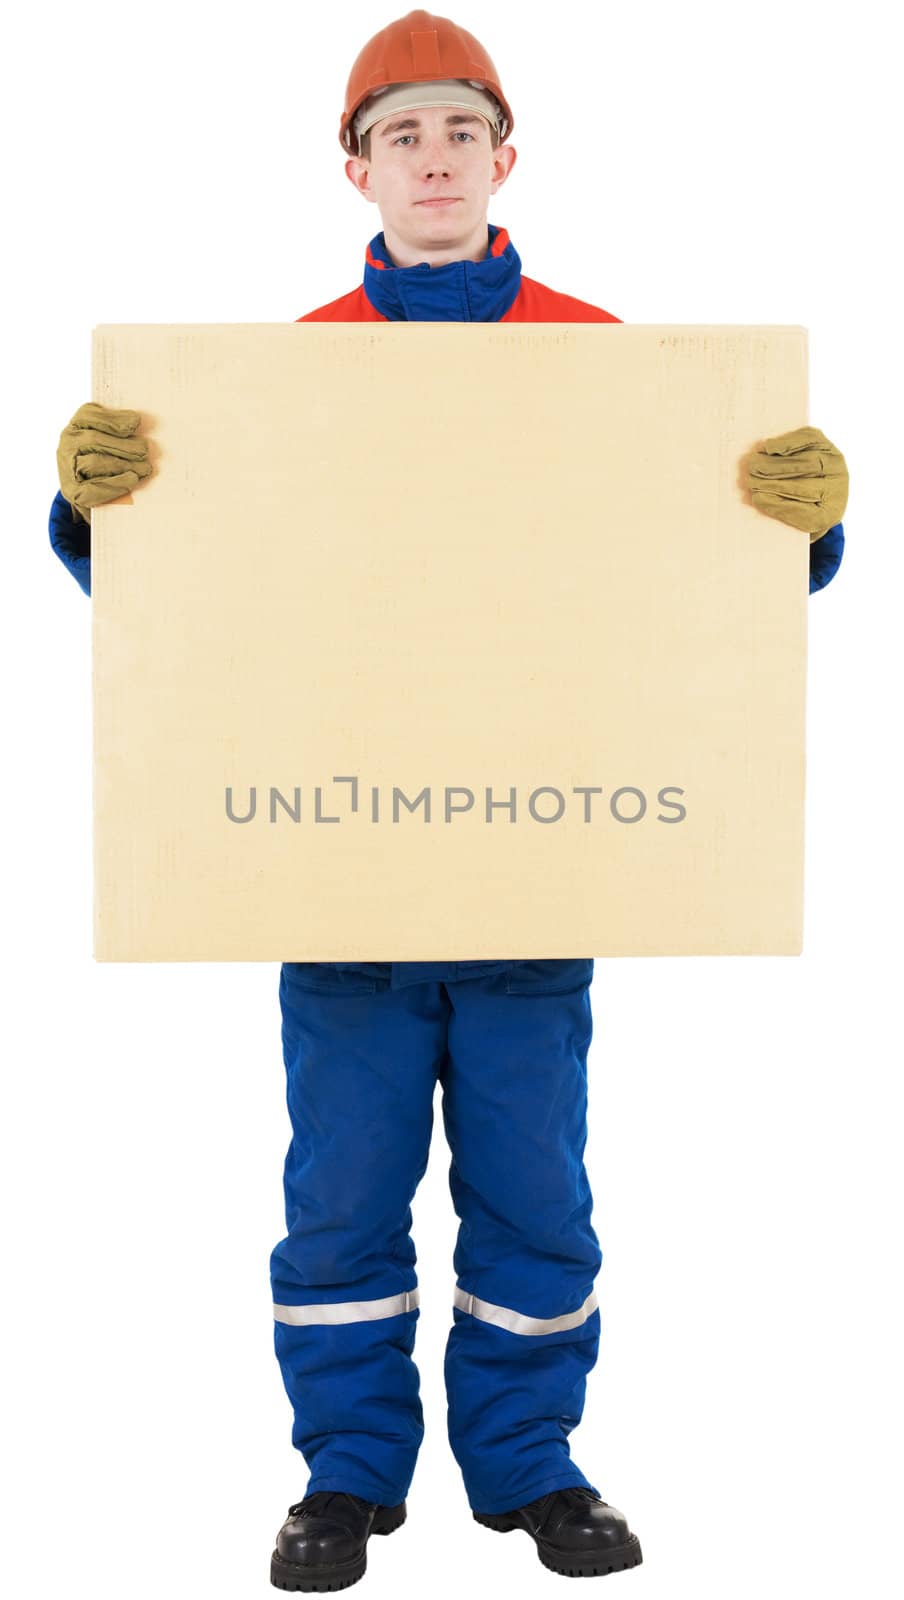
[(97, 457), (800, 477)]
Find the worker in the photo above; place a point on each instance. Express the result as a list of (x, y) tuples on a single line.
[(425, 129)]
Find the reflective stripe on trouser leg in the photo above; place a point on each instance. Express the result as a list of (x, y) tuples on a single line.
[(360, 1083), (504, 1317), (391, 1305), (525, 1329)]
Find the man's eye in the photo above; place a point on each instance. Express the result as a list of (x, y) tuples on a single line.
[(458, 132)]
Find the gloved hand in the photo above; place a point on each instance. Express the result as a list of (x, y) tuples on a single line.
[(801, 478), (97, 458)]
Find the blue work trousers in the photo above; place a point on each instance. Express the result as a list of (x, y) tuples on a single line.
[(364, 1048)]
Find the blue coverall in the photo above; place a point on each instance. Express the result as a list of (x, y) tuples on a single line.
[(364, 1044)]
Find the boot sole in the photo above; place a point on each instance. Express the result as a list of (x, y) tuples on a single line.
[(571, 1564), (310, 1578)]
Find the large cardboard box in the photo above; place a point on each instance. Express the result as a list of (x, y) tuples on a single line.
[(448, 641)]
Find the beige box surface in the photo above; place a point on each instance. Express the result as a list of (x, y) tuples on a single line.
[(432, 641)]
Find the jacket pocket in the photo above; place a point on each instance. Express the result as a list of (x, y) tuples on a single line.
[(549, 977)]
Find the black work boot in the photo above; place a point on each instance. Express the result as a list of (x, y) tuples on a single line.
[(576, 1533), (323, 1543)]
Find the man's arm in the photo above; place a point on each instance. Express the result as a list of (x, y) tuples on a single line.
[(802, 478), (100, 457), (70, 538), (825, 557)]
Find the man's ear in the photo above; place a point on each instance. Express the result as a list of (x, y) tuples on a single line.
[(505, 156), (358, 173)]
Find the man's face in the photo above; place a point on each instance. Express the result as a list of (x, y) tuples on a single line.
[(435, 152)]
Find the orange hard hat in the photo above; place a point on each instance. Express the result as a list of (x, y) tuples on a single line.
[(419, 48)]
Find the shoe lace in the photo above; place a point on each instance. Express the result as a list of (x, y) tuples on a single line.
[(549, 1503), (313, 1505)]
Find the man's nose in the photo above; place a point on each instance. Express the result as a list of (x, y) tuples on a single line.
[(435, 155)]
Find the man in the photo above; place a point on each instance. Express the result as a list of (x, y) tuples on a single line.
[(424, 129)]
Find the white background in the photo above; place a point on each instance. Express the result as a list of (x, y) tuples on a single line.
[(677, 164)]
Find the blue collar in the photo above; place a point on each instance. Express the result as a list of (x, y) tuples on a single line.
[(459, 291)]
